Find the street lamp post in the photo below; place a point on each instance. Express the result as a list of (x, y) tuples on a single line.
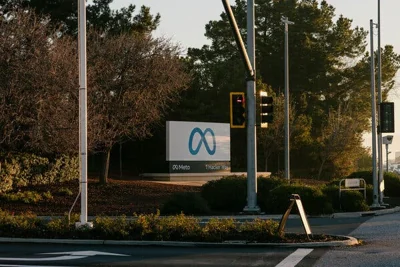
[(375, 197), (82, 112), (286, 22), (379, 84)]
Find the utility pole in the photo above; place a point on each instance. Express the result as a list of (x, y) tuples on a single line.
[(286, 22), (375, 203), (82, 112), (251, 116), (380, 157)]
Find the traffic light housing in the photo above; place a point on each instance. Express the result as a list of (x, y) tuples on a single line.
[(266, 109), (386, 117), (237, 110)]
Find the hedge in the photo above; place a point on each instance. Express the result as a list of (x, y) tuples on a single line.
[(23, 169)]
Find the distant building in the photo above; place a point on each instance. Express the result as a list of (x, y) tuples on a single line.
[(397, 157)]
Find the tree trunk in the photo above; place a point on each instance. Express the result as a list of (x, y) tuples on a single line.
[(320, 169), (120, 161), (266, 164), (106, 166)]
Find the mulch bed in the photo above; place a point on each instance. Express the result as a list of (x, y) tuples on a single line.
[(117, 197)]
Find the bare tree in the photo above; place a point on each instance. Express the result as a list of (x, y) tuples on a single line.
[(36, 82), (133, 81)]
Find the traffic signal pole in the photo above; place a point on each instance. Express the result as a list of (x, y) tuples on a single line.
[(251, 117), (249, 62)]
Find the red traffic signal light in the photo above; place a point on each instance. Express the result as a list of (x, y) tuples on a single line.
[(237, 110)]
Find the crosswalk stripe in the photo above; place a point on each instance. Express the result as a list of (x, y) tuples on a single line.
[(294, 258)]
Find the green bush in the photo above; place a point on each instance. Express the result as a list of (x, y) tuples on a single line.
[(313, 200), (353, 201), (26, 197), (331, 191), (218, 230), (23, 169), (63, 191), (226, 194), (264, 187), (190, 203), (180, 228), (259, 230), (350, 200), (141, 227), (392, 184), (229, 194)]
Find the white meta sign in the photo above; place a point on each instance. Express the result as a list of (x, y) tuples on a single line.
[(198, 141)]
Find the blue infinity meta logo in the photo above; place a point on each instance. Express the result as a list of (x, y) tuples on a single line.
[(202, 141)]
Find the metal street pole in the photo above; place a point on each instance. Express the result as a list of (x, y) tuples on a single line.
[(387, 157), (82, 111), (251, 117), (286, 21), (373, 108), (380, 157)]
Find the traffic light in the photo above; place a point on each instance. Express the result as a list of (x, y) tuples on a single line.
[(237, 110), (266, 109), (387, 117)]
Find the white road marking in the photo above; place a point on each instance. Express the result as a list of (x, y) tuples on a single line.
[(10, 265), (72, 255), (294, 258)]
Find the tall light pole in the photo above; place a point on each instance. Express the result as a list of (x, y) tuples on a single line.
[(375, 203), (286, 22), (379, 83), (82, 111)]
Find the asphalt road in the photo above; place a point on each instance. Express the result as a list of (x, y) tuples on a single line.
[(100, 255)]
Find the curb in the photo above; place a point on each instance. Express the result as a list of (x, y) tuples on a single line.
[(350, 241), (365, 213)]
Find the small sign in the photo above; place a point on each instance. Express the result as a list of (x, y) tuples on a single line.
[(295, 198), (352, 182)]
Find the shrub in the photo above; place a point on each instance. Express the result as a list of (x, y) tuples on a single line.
[(190, 203), (142, 227), (313, 200), (63, 191), (180, 228), (259, 230), (226, 194), (353, 201), (218, 230), (24, 197), (264, 187), (331, 191), (23, 169), (392, 184), (111, 228)]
